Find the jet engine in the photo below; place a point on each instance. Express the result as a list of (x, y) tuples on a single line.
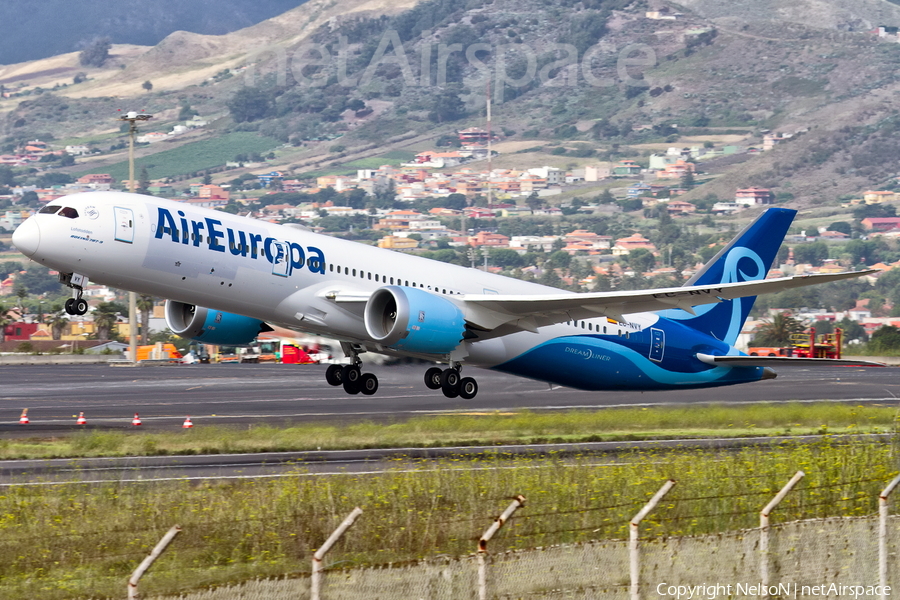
[(209, 326), (414, 320)]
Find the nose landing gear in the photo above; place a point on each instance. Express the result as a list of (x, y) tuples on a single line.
[(76, 305)]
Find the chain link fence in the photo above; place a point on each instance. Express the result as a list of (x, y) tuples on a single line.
[(842, 551)]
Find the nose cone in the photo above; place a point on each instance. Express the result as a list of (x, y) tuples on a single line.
[(27, 237)]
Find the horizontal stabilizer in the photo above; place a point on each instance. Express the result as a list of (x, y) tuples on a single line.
[(768, 361)]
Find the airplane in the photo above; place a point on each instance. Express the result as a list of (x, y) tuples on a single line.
[(228, 278)]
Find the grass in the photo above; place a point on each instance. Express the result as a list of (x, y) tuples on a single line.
[(394, 157), (475, 429), (83, 540), (195, 156)]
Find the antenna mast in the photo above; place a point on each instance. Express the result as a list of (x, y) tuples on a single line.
[(490, 197)]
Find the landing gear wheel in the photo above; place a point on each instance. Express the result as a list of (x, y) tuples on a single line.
[(350, 376), (468, 388), (433, 378), (333, 374), (70, 306), (81, 306), (450, 383), (368, 384)]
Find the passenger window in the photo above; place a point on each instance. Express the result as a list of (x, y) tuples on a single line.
[(354, 272), (69, 212), (331, 267), (376, 277), (590, 326), (49, 210)]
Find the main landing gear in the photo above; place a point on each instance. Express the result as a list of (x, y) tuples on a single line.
[(76, 305), (451, 383), (351, 376)]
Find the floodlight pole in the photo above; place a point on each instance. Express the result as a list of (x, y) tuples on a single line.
[(132, 118)]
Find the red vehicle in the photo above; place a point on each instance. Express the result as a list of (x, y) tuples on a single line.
[(805, 345)]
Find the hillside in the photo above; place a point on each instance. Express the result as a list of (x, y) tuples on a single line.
[(39, 32), (813, 70)]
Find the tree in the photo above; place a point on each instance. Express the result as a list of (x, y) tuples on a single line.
[(5, 320), (30, 199), (885, 340), (777, 331), (21, 293), (687, 180), (105, 317), (96, 53), (641, 260), (250, 104), (147, 85), (841, 226), (446, 106), (356, 105), (534, 201), (143, 184), (145, 305), (57, 320)]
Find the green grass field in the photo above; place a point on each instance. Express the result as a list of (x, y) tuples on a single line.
[(195, 156), (82, 540), (478, 429)]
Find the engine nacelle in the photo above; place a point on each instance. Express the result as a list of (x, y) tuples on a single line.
[(212, 326), (414, 320)]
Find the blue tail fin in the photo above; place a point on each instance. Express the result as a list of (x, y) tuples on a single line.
[(747, 257)]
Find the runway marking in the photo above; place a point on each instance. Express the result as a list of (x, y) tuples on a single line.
[(509, 411), (275, 475)]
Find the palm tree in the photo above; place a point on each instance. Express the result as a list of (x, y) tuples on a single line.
[(105, 318), (57, 320), (777, 331), (145, 305), (4, 321)]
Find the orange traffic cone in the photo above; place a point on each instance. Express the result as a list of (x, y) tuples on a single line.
[(81, 420), (187, 423), (23, 420), (136, 420)]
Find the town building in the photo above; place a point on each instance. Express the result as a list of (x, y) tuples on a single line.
[(754, 196)]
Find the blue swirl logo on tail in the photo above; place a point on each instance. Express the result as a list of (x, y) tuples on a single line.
[(748, 257)]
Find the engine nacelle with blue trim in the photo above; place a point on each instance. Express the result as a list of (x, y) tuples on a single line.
[(209, 326), (414, 320)]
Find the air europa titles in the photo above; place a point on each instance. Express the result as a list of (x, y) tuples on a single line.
[(217, 238)]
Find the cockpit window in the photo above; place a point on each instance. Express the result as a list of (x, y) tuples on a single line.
[(49, 209), (69, 212)]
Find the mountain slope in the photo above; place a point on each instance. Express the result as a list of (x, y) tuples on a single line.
[(50, 27)]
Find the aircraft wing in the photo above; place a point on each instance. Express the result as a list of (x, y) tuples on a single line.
[(768, 361), (531, 311)]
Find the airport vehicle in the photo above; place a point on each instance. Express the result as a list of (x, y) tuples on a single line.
[(805, 345), (228, 278)]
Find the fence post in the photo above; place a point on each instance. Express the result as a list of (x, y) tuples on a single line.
[(145, 564), (882, 533), (315, 579), (482, 543), (764, 530), (633, 542)]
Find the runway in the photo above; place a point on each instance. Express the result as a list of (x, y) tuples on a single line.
[(146, 469), (286, 394)]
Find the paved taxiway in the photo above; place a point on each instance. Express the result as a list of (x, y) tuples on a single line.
[(285, 394)]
